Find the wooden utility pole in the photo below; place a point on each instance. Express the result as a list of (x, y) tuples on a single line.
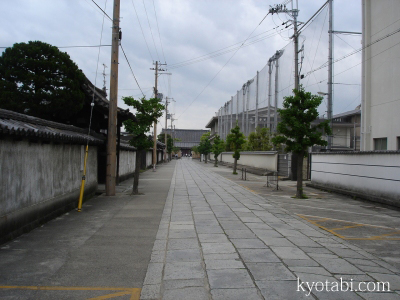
[(166, 127), (155, 121), (112, 111)]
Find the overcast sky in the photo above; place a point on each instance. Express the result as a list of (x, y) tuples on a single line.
[(179, 31)]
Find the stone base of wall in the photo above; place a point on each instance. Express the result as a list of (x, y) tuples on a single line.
[(368, 197), (27, 219)]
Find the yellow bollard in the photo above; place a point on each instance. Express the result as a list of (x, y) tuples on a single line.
[(83, 180)]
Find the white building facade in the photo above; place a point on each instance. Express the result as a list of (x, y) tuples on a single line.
[(381, 75)]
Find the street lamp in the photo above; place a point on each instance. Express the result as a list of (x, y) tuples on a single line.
[(329, 115)]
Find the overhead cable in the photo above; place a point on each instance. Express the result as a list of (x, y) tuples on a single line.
[(131, 69), (102, 11), (144, 37)]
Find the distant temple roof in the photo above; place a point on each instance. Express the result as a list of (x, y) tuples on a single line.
[(187, 137)]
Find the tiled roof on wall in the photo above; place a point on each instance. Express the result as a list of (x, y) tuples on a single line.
[(23, 126)]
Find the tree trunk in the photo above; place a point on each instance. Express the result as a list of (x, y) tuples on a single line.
[(300, 158), (205, 158), (135, 190), (234, 166), (216, 161)]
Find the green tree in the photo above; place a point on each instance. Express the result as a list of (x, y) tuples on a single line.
[(260, 140), (39, 80), (205, 145), (235, 141), (195, 149), (296, 131), (217, 148), (147, 111)]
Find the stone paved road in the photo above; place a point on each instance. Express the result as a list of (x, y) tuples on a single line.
[(218, 240)]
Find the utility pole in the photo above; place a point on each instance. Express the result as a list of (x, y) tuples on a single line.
[(166, 127), (293, 12), (330, 71), (278, 54), (270, 61), (156, 69), (112, 112), (256, 114)]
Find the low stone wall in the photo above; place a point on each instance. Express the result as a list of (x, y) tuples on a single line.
[(370, 175), (267, 160)]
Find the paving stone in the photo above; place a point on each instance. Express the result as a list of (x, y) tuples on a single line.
[(270, 271), (183, 283), (231, 225), (183, 270), (339, 295), (158, 256), (229, 278), (319, 250), (258, 255), (372, 269), (182, 234), (310, 270), (258, 226), (248, 243), (236, 294), (181, 244), (303, 241), (276, 241), (338, 266), (394, 280), (218, 256), (240, 234), (150, 292), (289, 252), (154, 273), (193, 293), (217, 248), (213, 238), (209, 229), (160, 245), (362, 262), (251, 220), (347, 253), (264, 233), (183, 255), (300, 263), (379, 296), (223, 264), (278, 290)]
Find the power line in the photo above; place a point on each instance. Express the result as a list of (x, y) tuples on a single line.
[(158, 57), (209, 56), (87, 46), (195, 58), (142, 31), (131, 70), (219, 71), (355, 52), (102, 10), (159, 35)]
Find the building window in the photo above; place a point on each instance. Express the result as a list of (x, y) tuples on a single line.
[(380, 144)]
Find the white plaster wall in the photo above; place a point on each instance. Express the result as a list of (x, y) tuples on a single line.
[(258, 159), (127, 162), (374, 174), (34, 172)]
